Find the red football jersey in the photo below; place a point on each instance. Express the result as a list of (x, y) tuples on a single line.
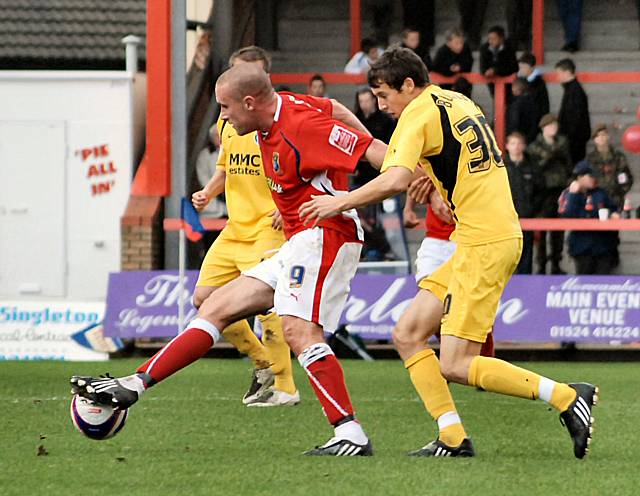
[(303, 154), (437, 228)]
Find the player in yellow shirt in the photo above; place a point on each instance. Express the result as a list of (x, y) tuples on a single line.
[(252, 234), (447, 135)]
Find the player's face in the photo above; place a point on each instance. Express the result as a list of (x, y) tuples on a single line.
[(234, 110), (391, 100)]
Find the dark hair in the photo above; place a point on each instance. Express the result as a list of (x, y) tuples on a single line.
[(367, 44), (362, 90), (394, 66), (566, 65), (598, 129), (517, 134), (528, 58), (522, 84), (499, 30), (316, 77), (252, 53), (463, 86)]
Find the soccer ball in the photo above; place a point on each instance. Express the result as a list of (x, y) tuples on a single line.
[(96, 421)]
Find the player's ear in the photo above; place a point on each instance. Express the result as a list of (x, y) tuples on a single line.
[(249, 102), (408, 85)]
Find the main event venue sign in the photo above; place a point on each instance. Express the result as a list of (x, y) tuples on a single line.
[(593, 309)]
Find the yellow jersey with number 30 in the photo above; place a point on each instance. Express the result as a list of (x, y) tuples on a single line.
[(248, 196), (447, 134)]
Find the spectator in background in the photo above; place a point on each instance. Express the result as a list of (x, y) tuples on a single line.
[(497, 58), (454, 57), (537, 87), (361, 61), (380, 125), (410, 38), (594, 252), (471, 19), (527, 186), (317, 86), (611, 165), (573, 117), (521, 112), (550, 152), (381, 15), (420, 14), (570, 12), (518, 14), (462, 85)]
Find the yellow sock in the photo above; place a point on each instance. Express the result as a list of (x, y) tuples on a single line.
[(279, 352), (502, 377), (240, 335), (424, 370)]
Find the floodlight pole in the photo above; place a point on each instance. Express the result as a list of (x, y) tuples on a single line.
[(173, 251)]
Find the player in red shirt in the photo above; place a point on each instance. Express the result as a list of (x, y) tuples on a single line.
[(305, 152)]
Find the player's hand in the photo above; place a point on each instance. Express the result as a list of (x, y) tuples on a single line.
[(614, 216), (455, 68), (441, 208), (200, 200), (489, 73), (318, 208), (420, 189), (410, 218), (276, 220), (574, 187)]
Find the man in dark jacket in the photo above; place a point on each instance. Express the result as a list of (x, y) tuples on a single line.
[(537, 87), (550, 151), (573, 117), (527, 185), (497, 57), (521, 112), (454, 57), (592, 251)]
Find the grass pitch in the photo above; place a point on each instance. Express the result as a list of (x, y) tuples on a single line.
[(191, 435)]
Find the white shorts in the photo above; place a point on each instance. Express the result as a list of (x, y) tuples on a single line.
[(432, 254), (311, 275)]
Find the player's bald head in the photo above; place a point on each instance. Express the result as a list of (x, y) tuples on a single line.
[(246, 80)]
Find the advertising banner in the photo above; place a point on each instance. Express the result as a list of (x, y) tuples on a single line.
[(532, 309), (46, 330)]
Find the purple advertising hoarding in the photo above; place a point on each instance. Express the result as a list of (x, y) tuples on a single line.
[(532, 309)]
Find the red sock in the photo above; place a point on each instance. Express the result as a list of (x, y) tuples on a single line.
[(327, 380), (182, 350), (487, 349)]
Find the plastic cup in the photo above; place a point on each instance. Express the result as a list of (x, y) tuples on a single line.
[(603, 213)]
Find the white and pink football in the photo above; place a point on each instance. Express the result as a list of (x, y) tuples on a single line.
[(96, 421)]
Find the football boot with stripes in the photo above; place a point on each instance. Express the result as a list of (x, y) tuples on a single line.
[(105, 390), (341, 447), (578, 418), (438, 448)]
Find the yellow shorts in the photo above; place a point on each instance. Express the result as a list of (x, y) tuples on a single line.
[(228, 257), (470, 284)]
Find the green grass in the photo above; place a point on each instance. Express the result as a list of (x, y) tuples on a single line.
[(191, 435)]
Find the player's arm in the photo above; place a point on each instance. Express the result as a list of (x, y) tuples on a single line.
[(214, 187), (344, 115), (393, 181)]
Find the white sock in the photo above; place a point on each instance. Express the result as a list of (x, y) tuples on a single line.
[(447, 419), (133, 382), (352, 431), (545, 389)]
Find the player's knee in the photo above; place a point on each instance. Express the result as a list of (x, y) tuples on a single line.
[(451, 371), (200, 295), (292, 338), (402, 337)]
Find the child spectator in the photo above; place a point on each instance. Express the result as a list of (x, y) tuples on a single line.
[(537, 87), (527, 184), (611, 165), (521, 112), (573, 117), (454, 57), (317, 86), (411, 40), (497, 58), (361, 61), (592, 251), (550, 151)]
